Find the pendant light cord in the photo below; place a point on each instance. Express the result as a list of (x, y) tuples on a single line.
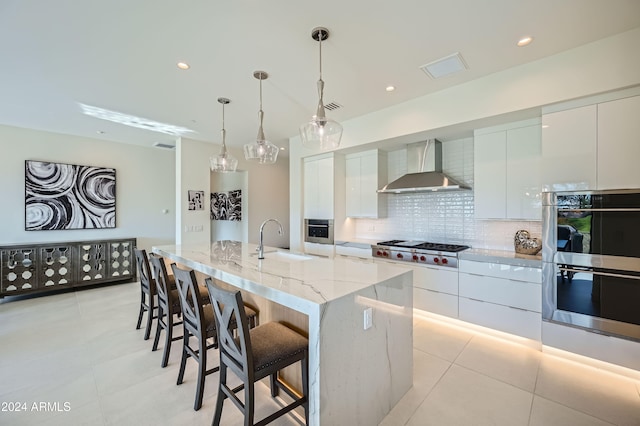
[(224, 144), (320, 113), (261, 138), (320, 35)]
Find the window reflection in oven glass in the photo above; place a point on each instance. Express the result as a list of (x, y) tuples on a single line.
[(599, 292)]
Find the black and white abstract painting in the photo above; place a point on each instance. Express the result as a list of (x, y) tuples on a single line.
[(219, 206), (226, 205), (67, 196), (234, 205), (196, 200)]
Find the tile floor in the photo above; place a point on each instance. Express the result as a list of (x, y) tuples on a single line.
[(81, 349)]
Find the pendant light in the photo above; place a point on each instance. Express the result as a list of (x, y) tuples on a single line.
[(223, 162), (321, 131), (261, 150)]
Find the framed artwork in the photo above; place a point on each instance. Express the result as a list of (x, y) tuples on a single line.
[(219, 206), (67, 196), (226, 205), (196, 200), (234, 205)]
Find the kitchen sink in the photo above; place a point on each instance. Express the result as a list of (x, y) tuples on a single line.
[(284, 256)]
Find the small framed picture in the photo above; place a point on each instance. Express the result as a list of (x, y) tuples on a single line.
[(196, 200)]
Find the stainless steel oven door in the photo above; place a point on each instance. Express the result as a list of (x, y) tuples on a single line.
[(592, 293), (591, 261), (318, 231)]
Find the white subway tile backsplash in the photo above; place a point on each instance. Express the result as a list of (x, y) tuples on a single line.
[(441, 216)]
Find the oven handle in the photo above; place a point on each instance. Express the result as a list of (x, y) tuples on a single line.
[(622, 209), (607, 274), (317, 226)]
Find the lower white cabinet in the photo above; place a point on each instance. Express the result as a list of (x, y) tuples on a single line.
[(434, 289), (500, 296), (435, 302), (316, 249), (503, 318)]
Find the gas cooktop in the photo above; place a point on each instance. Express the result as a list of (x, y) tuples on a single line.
[(424, 252), (424, 245)]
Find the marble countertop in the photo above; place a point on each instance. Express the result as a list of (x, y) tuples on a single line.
[(301, 282), (501, 256)]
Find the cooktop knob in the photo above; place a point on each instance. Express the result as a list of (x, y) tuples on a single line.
[(436, 260), (385, 254), (422, 258), (399, 256), (445, 261), (415, 257), (378, 253)]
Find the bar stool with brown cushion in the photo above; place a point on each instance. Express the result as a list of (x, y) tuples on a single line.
[(147, 291), (197, 321), (168, 306), (253, 354)]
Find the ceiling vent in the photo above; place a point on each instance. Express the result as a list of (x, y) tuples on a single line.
[(445, 66), (332, 106), (163, 145)]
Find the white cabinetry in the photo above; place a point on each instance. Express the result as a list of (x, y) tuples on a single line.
[(507, 171), (316, 249), (366, 172), (569, 149), (593, 146), (503, 297), (434, 289), (318, 187), (618, 144), (490, 175)]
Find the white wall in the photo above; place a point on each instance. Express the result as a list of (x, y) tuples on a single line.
[(602, 66), (227, 229), (192, 173), (144, 181), (264, 196)]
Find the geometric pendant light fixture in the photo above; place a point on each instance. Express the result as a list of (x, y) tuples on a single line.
[(223, 162), (261, 150), (321, 132)]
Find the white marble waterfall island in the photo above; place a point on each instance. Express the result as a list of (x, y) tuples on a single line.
[(355, 376)]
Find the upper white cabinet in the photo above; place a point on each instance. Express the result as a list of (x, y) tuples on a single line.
[(619, 144), (569, 149), (490, 175), (507, 171), (593, 146), (318, 187), (366, 172)]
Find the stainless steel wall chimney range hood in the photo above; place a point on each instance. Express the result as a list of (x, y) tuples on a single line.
[(424, 163)]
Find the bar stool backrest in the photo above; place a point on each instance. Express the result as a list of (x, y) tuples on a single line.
[(190, 300), (230, 315)]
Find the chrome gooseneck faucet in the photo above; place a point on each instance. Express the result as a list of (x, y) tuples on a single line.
[(261, 246)]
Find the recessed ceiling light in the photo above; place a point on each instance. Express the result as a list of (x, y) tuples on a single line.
[(183, 65), (390, 88), (524, 41), (100, 132)]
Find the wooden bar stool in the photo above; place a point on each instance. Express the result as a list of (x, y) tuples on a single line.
[(253, 354), (197, 321), (147, 291), (168, 306)]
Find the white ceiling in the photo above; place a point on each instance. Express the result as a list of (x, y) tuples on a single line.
[(121, 55)]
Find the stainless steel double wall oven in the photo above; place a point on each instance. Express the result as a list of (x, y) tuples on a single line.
[(591, 261)]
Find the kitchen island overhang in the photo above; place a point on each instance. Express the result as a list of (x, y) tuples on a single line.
[(356, 376)]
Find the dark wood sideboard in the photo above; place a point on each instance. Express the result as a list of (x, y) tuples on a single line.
[(34, 268)]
